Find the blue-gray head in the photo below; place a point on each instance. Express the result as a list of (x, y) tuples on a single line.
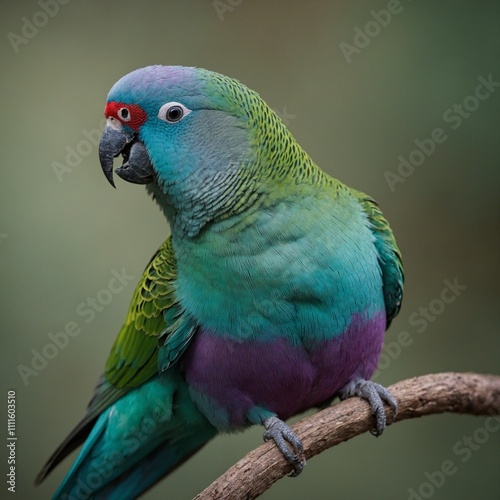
[(189, 134)]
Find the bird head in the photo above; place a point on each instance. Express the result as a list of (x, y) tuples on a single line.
[(170, 123), (190, 134)]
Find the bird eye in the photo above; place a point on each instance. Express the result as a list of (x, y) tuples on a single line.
[(124, 114), (173, 112)]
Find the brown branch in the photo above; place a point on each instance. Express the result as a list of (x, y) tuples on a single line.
[(468, 393)]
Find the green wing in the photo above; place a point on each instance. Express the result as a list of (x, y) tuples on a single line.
[(389, 256), (154, 317), (133, 358), (157, 329)]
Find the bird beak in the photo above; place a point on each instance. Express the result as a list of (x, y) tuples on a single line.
[(136, 166)]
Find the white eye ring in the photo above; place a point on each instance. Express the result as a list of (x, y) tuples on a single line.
[(173, 112), (123, 114)]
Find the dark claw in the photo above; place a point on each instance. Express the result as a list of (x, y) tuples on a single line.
[(285, 438), (376, 395)]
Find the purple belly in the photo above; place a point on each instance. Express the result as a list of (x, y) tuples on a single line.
[(228, 379)]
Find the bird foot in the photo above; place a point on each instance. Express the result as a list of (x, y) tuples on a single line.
[(287, 442), (376, 395)]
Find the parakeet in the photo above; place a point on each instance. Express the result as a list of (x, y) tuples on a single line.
[(271, 295)]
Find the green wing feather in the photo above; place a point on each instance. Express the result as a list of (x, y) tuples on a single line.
[(391, 263), (153, 314), (133, 358)]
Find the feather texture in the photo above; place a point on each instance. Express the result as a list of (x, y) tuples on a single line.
[(270, 297)]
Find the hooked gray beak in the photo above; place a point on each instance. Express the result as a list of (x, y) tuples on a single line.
[(136, 166)]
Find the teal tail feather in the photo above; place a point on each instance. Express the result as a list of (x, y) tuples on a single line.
[(139, 439)]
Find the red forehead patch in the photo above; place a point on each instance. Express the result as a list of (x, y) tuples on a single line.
[(128, 114)]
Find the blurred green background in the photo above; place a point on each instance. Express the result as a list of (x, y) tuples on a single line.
[(62, 235)]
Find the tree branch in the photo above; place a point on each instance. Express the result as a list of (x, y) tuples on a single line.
[(468, 393)]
